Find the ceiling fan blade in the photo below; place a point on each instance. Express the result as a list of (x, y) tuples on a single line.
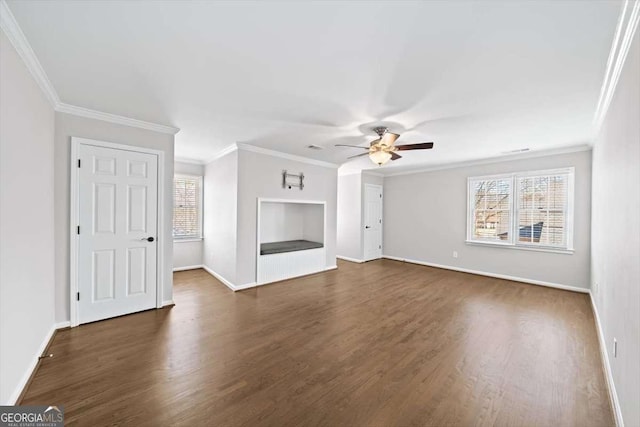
[(419, 146), (395, 156), (358, 155), (389, 138), (352, 146)]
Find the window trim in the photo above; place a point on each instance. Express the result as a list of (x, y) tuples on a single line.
[(504, 177), (185, 239), (514, 187)]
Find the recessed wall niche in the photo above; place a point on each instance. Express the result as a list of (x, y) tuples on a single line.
[(291, 236)]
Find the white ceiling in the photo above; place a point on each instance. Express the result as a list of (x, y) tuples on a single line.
[(478, 78)]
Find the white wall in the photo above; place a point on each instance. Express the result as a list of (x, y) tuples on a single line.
[(313, 223), (369, 178), (188, 168), (425, 220), (26, 222), (220, 216), (67, 126), (260, 175), (187, 253), (350, 239), (291, 221), (280, 222), (349, 216), (615, 257)]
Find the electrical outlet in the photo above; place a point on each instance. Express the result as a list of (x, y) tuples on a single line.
[(615, 347), (455, 254)]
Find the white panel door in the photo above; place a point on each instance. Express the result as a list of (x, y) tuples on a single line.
[(372, 222), (117, 245)]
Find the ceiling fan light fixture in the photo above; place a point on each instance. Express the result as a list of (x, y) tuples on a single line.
[(380, 157), (384, 149), (389, 138)]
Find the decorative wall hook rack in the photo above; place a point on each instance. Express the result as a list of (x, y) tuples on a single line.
[(292, 180)]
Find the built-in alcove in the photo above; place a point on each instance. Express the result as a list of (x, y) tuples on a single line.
[(290, 240)]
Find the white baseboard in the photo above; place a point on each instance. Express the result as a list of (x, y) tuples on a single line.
[(245, 286), (332, 267), (346, 258), (236, 288), (227, 283), (168, 302), (613, 395), (188, 267), (497, 276), (34, 362)]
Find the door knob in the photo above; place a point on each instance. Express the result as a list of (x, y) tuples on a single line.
[(148, 239), (366, 226)]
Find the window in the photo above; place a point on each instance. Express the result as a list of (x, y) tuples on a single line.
[(491, 208), (187, 207), (529, 209)]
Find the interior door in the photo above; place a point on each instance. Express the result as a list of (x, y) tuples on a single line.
[(117, 245), (372, 222)]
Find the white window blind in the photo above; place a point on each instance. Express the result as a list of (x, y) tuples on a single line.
[(542, 206), (532, 209), (491, 209), (187, 207)]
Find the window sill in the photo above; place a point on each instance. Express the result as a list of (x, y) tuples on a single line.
[(521, 247), (187, 239)]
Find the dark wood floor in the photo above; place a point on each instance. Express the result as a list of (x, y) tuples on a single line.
[(381, 343)]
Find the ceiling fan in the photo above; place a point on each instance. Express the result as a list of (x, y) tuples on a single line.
[(384, 149)]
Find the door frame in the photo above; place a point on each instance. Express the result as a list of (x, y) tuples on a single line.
[(362, 220), (74, 199)]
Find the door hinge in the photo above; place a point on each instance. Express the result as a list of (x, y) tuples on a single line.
[(78, 229), (78, 296), (78, 162)]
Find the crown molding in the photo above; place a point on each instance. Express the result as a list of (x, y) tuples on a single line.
[(114, 118), (368, 172), (629, 18), (19, 41), (349, 172), (229, 149), (521, 156), (259, 150), (188, 161), (252, 148)]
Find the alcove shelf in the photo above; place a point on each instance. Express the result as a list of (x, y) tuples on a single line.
[(290, 239)]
